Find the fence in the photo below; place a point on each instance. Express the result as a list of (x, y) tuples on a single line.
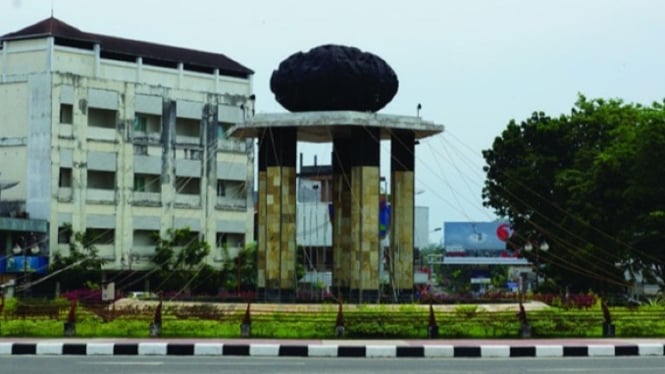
[(410, 321)]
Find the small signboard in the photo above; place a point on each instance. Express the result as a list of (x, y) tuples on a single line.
[(108, 292)]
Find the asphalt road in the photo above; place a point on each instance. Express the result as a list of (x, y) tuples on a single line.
[(278, 365)]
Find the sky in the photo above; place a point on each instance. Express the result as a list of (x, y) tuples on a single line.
[(473, 65)]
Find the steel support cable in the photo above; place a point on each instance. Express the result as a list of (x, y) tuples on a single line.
[(549, 233), (550, 203), (568, 245), (455, 207), (579, 268), (565, 263), (594, 228)]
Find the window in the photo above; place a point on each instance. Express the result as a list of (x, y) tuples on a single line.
[(66, 114), (145, 237), (221, 188), (139, 183), (188, 127), (193, 154), (140, 123), (65, 178), (147, 183), (101, 118), (64, 234), (140, 149), (104, 180), (231, 189), (148, 123), (229, 240), (101, 236), (188, 186)]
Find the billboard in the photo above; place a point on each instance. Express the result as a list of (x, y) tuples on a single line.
[(21, 264), (462, 236)]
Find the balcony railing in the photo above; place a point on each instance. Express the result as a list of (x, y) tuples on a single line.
[(227, 145), (184, 139), (105, 251), (150, 137), (231, 203), (100, 195), (232, 252), (188, 200), (65, 131), (146, 198), (65, 194), (100, 133)]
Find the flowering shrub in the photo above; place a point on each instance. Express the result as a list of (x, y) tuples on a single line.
[(576, 301)]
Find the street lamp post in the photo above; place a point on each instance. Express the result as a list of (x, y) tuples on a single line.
[(542, 247), (24, 251)]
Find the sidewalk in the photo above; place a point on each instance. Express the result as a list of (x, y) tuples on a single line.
[(436, 348)]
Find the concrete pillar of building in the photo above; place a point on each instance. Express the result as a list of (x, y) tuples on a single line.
[(261, 232), (402, 167), (364, 277), (278, 150), (209, 176), (167, 177), (341, 213)]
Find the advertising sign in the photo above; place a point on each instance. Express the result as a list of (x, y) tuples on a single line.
[(462, 236), (20, 264)]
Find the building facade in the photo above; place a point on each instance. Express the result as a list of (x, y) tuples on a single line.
[(123, 138)]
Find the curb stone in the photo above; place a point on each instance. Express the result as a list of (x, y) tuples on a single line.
[(327, 350)]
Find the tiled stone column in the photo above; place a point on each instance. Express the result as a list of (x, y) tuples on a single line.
[(278, 150), (364, 277), (402, 197), (341, 218)]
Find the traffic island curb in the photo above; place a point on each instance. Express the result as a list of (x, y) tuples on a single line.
[(328, 350)]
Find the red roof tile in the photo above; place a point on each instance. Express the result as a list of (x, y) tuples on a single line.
[(130, 49)]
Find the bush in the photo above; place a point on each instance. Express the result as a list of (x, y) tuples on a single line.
[(366, 321)]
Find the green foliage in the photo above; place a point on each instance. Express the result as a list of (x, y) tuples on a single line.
[(205, 321), (181, 249), (179, 256), (243, 267), (81, 264), (466, 311), (587, 184)]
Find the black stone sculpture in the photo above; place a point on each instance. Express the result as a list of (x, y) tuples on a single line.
[(333, 77)]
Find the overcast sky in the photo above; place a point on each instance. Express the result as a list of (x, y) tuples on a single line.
[(472, 64)]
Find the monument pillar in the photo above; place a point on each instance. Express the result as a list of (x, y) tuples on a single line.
[(341, 213), (277, 214), (334, 93), (364, 277), (402, 165)]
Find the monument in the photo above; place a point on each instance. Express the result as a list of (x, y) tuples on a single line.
[(333, 93)]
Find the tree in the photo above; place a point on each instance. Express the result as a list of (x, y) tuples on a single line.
[(81, 265), (578, 182), (240, 272), (180, 256)]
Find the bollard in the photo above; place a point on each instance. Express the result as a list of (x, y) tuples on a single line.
[(156, 325), (609, 330), (70, 325), (339, 322), (432, 327), (246, 325), (70, 329), (155, 329), (525, 327), (608, 326)]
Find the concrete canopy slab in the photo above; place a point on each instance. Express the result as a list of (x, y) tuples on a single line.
[(321, 126)]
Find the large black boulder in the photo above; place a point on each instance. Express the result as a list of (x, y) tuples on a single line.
[(333, 77)]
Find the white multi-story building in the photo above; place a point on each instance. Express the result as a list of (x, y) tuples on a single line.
[(122, 138)]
